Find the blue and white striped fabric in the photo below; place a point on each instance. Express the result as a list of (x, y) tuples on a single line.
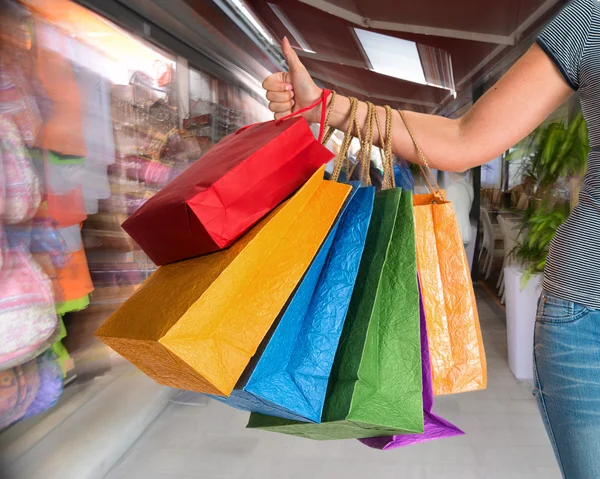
[(572, 41)]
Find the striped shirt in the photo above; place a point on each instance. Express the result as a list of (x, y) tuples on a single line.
[(572, 40)]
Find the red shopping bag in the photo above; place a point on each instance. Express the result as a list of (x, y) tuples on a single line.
[(228, 190)]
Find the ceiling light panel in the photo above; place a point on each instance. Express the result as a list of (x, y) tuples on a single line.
[(392, 56), (252, 19)]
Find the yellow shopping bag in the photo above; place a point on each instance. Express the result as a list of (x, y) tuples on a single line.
[(196, 324)]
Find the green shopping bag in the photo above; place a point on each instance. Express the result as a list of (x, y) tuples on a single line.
[(375, 387)]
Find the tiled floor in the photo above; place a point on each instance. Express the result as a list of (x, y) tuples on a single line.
[(505, 439)]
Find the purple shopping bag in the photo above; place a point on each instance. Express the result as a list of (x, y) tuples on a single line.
[(436, 427)]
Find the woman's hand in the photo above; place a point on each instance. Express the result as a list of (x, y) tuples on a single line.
[(290, 91)]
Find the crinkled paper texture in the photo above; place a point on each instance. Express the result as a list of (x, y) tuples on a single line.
[(290, 378), (436, 427), (237, 183), (196, 324), (456, 345), (375, 387)]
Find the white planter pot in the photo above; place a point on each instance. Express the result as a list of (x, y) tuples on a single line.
[(521, 307)]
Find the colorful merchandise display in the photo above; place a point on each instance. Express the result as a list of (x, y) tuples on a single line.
[(88, 133)]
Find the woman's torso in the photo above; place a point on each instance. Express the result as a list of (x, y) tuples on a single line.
[(573, 265)]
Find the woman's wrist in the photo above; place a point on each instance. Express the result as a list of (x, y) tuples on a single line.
[(314, 115), (338, 116)]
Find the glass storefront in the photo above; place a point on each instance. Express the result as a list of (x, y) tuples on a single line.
[(94, 122)]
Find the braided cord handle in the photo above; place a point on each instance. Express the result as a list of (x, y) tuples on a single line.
[(387, 157), (366, 143), (428, 175), (329, 130), (342, 161)]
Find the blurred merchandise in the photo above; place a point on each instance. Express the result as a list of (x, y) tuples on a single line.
[(29, 389), (90, 129), (21, 185)]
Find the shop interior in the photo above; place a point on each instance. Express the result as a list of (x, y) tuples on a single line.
[(105, 102)]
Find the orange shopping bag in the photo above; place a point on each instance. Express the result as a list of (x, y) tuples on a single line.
[(458, 361), (196, 324)]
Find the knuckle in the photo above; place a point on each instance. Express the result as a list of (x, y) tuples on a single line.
[(266, 82)]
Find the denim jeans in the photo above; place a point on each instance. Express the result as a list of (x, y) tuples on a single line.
[(567, 377)]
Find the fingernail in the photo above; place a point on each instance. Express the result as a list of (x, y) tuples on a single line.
[(293, 102), (289, 87), (285, 38)]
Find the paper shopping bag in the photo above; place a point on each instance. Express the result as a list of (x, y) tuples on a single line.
[(456, 345), (196, 324), (436, 427), (457, 354), (375, 386), (217, 199), (290, 378)]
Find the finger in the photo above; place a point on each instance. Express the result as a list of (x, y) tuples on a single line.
[(291, 57), (278, 116), (276, 82), (279, 107), (280, 96)]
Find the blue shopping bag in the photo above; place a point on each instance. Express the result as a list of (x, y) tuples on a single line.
[(290, 378)]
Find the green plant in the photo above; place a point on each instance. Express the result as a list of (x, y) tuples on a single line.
[(540, 223), (552, 152)]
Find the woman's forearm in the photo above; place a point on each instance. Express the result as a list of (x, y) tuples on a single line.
[(442, 145), (508, 112), (522, 99)]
